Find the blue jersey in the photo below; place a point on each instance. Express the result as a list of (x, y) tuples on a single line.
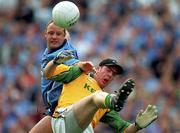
[(51, 90)]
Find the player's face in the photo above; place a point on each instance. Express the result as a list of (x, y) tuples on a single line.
[(104, 75), (54, 35)]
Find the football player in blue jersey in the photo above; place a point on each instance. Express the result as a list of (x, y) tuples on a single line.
[(57, 42)]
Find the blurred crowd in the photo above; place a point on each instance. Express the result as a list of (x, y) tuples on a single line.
[(144, 35)]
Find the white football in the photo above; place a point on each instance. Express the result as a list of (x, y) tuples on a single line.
[(65, 14)]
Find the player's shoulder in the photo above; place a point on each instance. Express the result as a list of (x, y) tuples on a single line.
[(69, 45)]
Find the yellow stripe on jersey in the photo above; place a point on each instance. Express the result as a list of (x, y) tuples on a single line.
[(77, 89), (59, 69)]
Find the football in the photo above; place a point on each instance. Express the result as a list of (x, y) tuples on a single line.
[(65, 14)]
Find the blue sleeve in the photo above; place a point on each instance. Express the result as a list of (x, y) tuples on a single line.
[(50, 56), (51, 90)]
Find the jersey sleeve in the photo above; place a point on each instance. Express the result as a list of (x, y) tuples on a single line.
[(65, 74), (113, 119)]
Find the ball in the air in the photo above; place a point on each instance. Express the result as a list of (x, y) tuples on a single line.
[(65, 14)]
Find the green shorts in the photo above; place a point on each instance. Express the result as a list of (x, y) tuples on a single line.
[(67, 123)]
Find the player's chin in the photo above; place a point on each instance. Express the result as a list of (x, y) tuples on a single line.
[(54, 45), (103, 84)]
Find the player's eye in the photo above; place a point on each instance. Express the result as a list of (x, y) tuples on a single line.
[(50, 33), (113, 70), (108, 69), (59, 33), (55, 33)]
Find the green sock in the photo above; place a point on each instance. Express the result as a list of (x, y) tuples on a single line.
[(108, 101)]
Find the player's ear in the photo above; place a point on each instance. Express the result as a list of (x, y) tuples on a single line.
[(45, 31), (67, 35), (64, 32), (44, 34)]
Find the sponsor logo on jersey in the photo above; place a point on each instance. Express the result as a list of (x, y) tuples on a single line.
[(89, 88)]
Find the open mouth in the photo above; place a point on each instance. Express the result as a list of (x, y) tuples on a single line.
[(105, 81), (54, 42)]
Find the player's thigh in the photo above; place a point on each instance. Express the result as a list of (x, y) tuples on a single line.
[(84, 111), (86, 108), (66, 122), (43, 126)]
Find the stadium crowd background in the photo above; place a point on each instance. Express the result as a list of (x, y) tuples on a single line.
[(143, 34)]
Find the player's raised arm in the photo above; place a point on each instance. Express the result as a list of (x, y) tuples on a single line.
[(143, 119), (50, 69)]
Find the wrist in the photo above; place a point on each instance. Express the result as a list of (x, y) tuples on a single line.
[(81, 65), (55, 62), (137, 126)]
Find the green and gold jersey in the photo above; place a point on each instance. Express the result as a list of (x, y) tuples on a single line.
[(77, 89), (77, 85)]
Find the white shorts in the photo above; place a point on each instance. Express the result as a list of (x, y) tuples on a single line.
[(67, 123)]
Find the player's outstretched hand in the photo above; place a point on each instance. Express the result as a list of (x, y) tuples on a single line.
[(63, 57), (145, 118)]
